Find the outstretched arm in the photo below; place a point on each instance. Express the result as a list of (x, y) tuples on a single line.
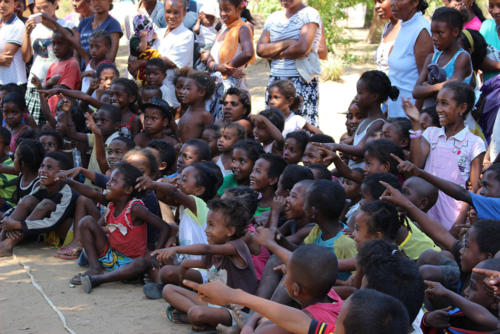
[(165, 254), (167, 193), (289, 318)]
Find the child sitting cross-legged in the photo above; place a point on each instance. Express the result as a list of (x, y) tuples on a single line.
[(44, 209), (120, 235), (226, 250)]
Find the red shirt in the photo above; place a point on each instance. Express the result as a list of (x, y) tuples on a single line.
[(69, 70)]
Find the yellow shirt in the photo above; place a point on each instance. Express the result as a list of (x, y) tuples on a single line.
[(416, 242)]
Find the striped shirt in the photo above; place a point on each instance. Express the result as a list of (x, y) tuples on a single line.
[(281, 28)]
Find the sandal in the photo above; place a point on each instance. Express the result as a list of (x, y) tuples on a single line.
[(67, 253), (77, 279), (174, 316), (203, 330)]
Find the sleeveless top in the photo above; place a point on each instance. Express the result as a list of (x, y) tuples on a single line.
[(449, 68), (403, 71), (123, 235)]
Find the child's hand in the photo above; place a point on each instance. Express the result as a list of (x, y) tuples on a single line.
[(49, 92), (282, 267), (438, 318), (36, 82), (214, 292), (265, 236), (9, 224), (143, 182), (392, 195), (492, 279), (410, 110), (435, 289), (278, 204), (91, 125), (261, 220), (72, 173), (204, 56), (326, 146), (14, 235), (165, 254), (405, 167), (94, 84), (61, 176)]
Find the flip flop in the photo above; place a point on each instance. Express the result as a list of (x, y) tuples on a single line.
[(77, 279), (153, 290), (173, 316), (86, 284)]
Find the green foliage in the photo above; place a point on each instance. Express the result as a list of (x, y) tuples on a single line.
[(332, 68), (264, 7)]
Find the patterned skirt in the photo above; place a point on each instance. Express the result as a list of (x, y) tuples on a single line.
[(34, 105), (310, 96)]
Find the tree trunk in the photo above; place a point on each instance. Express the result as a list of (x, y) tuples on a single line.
[(375, 29)]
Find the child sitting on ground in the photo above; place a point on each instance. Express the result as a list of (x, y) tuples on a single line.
[(7, 181), (230, 134), (45, 208), (226, 251), (198, 87), (120, 235)]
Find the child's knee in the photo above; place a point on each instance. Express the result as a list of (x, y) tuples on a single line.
[(86, 223), (168, 290), (46, 205), (28, 202), (196, 314), (169, 274)]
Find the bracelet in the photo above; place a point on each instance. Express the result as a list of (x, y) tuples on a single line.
[(415, 134)]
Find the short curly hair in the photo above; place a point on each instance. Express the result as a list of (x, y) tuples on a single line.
[(231, 209)]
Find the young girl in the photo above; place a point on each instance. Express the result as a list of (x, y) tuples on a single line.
[(100, 43), (397, 130), (211, 135), (27, 160), (446, 26), (452, 152), (268, 126), (467, 10), (294, 147), (245, 153), (226, 251), (236, 106), (233, 47), (14, 107), (198, 87), (230, 135), (120, 235), (490, 33), (283, 96), (124, 95), (374, 88)]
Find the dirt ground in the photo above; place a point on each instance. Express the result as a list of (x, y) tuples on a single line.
[(117, 307)]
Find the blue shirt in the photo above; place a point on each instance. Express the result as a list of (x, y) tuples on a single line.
[(85, 29), (486, 207)]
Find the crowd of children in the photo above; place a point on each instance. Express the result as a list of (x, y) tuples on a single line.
[(169, 179)]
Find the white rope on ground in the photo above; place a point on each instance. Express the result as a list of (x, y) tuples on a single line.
[(27, 269)]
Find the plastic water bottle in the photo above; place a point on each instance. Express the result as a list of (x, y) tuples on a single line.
[(217, 275), (77, 162)]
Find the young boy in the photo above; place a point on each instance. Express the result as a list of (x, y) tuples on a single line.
[(157, 117), (165, 154), (311, 272), (198, 87), (264, 179), (312, 155), (45, 209), (156, 72), (476, 312), (8, 182), (66, 69)]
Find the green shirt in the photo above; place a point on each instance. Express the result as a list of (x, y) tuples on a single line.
[(416, 242), (229, 182), (8, 183)]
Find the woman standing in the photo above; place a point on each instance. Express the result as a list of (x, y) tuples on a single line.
[(289, 35), (12, 67), (389, 34), (411, 47), (37, 45)]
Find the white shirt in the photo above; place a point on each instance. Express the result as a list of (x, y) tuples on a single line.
[(13, 32), (293, 123), (403, 71), (178, 46)]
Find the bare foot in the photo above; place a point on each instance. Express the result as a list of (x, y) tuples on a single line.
[(5, 248), (239, 316)]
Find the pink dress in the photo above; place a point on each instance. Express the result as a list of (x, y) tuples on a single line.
[(259, 261), (450, 159)]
